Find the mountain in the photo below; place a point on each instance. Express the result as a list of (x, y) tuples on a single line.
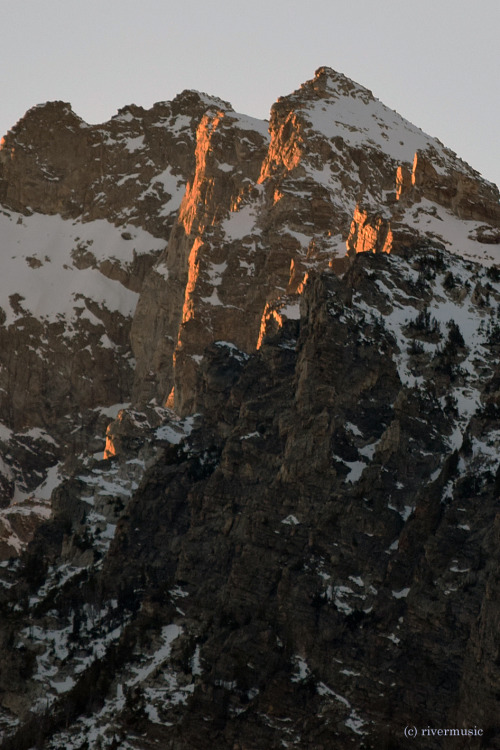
[(250, 401)]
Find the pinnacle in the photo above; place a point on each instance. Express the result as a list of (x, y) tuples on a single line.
[(329, 84), (192, 97), (331, 81), (56, 109)]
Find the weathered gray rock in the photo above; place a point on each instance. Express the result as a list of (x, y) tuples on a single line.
[(309, 558)]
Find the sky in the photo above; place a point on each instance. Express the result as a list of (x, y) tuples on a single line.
[(437, 62)]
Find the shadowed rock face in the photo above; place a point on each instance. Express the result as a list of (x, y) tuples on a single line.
[(291, 539), (87, 209)]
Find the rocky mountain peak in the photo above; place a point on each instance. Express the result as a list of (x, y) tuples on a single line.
[(42, 116), (192, 98), (336, 158), (329, 83), (249, 444)]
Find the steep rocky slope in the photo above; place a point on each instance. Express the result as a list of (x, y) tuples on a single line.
[(339, 165), (86, 212), (289, 538)]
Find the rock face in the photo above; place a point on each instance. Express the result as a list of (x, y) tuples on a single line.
[(86, 212), (255, 220), (187, 295), (273, 509)]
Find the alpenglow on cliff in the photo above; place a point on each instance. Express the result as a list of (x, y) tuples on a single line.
[(249, 429)]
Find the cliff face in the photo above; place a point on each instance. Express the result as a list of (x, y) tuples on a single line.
[(86, 212), (198, 291), (273, 515), (255, 221)]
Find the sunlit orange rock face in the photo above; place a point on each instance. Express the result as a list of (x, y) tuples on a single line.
[(369, 234), (271, 320), (200, 190), (5, 152), (208, 271), (461, 193), (261, 211), (286, 146), (193, 273), (112, 435), (403, 182), (251, 213), (130, 429), (109, 449)]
